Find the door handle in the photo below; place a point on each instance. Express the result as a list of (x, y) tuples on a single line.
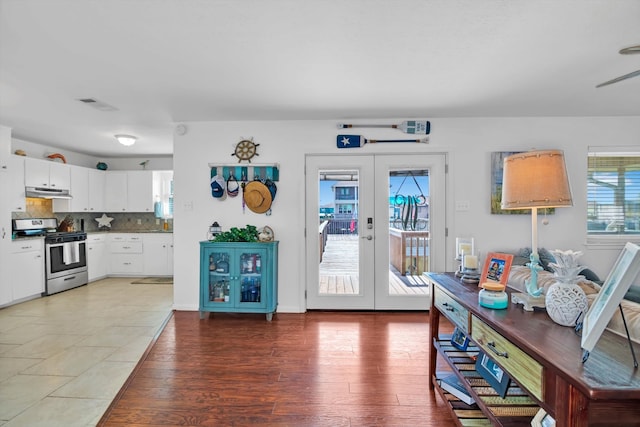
[(367, 237)]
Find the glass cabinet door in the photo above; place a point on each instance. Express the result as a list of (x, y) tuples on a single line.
[(251, 276), (219, 277)]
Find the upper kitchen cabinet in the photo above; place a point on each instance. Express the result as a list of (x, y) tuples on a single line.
[(87, 190), (46, 174), (96, 190), (16, 194), (129, 191), (140, 191)]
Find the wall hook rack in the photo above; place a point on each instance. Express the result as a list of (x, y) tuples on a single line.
[(262, 171)]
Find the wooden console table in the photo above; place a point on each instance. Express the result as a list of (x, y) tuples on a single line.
[(542, 358)]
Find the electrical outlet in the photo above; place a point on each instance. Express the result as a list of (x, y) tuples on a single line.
[(139, 221), (157, 221)]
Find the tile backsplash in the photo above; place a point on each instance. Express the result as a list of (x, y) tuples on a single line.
[(123, 222)]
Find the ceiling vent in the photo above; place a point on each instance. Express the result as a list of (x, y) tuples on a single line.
[(98, 105)]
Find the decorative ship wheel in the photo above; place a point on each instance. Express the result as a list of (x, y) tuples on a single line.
[(245, 150)]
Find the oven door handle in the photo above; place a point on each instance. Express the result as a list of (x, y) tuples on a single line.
[(56, 245)]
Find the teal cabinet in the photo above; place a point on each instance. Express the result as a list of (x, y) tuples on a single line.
[(239, 277)]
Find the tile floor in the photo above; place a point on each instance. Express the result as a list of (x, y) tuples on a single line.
[(63, 358)]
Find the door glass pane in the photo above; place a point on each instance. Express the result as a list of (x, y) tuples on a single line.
[(250, 277), (408, 231), (338, 232), (219, 277)]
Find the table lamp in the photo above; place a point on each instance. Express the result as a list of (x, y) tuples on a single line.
[(533, 180)]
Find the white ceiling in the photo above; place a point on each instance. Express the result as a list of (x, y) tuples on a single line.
[(163, 62)]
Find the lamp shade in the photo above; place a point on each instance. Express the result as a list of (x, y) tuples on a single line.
[(535, 179), (126, 139)]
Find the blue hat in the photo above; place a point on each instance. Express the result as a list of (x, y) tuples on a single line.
[(217, 186)]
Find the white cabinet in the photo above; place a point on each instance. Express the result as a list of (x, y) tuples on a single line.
[(15, 193), (79, 190), (5, 215), (87, 190), (97, 260), (158, 254), (46, 174), (27, 268), (96, 190), (129, 191), (140, 191), (125, 254), (115, 191)]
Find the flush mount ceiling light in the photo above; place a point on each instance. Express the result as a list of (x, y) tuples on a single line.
[(126, 139)]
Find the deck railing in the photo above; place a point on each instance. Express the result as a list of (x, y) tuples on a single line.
[(409, 251)]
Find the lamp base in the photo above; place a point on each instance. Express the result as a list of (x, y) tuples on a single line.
[(528, 302)]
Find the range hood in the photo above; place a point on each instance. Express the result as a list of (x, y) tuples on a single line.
[(47, 193)]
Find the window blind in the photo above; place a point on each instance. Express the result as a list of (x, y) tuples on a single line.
[(613, 193)]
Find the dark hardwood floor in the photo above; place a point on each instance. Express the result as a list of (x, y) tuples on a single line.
[(314, 369)]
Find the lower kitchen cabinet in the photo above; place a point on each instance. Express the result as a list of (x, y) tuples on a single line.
[(239, 277), (158, 254), (125, 254), (96, 256), (27, 268)]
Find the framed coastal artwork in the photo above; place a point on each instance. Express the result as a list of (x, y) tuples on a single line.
[(614, 288), (496, 268), (497, 160), (493, 374), (542, 419)]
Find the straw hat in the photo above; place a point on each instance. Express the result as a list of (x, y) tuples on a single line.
[(257, 197)]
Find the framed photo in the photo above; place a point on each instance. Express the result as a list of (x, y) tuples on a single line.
[(497, 160), (496, 268), (618, 281), (459, 339), (542, 419), (495, 376)]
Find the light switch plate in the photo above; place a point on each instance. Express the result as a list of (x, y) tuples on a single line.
[(462, 205)]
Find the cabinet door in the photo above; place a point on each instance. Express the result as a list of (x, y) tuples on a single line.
[(27, 269), (96, 190), (170, 257), (115, 191), (217, 279), (36, 173), (156, 254), (96, 258), (251, 264), (79, 189), (59, 176), (140, 191), (16, 199)]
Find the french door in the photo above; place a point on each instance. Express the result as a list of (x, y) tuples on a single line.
[(374, 224)]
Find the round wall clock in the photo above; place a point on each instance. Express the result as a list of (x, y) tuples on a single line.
[(245, 150)]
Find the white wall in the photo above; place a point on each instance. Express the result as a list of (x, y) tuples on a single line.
[(468, 142)]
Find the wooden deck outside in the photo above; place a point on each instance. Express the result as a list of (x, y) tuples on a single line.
[(339, 270)]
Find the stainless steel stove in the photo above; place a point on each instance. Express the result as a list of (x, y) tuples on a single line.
[(65, 253)]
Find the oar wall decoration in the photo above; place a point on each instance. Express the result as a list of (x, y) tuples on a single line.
[(357, 141), (417, 127)]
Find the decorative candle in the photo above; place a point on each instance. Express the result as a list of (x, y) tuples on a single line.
[(465, 249), (470, 261)]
